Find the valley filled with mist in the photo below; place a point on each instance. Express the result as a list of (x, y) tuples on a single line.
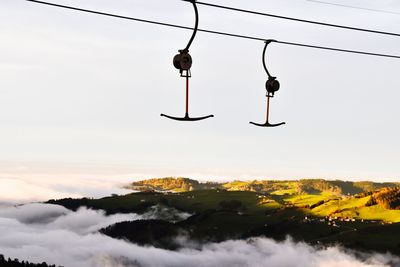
[(183, 222)]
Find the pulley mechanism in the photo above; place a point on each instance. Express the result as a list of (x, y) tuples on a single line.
[(183, 62), (272, 85)]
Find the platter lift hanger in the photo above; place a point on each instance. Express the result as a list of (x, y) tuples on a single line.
[(183, 62), (272, 85)]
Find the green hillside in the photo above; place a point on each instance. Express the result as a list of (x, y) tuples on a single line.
[(303, 186), (314, 211)]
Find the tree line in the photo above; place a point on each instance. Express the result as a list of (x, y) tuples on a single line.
[(16, 263)]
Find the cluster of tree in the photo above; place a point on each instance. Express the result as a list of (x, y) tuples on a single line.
[(364, 194), (16, 263), (319, 203), (371, 186), (270, 186), (157, 233), (172, 184), (389, 198), (103, 204), (316, 186), (253, 186), (71, 203)]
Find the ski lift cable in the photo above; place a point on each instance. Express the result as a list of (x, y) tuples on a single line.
[(355, 7), (214, 32), (296, 19)]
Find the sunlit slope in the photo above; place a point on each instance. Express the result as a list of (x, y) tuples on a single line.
[(219, 215), (316, 197), (325, 205), (304, 186), (367, 206)]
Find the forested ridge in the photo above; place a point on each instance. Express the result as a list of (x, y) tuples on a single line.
[(302, 186)]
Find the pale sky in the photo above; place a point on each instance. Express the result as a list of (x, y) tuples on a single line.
[(81, 94)]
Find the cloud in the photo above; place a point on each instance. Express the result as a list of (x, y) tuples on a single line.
[(50, 233), (34, 213), (13, 190), (54, 217), (23, 190), (165, 213)]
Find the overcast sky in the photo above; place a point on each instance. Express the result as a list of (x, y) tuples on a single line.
[(81, 94)]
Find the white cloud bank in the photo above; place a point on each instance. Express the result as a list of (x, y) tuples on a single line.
[(24, 190), (13, 190), (51, 233)]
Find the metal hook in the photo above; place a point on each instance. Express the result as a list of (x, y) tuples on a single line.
[(267, 42), (196, 26), (272, 85), (183, 62)]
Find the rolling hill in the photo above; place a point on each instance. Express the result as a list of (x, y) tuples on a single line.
[(361, 215), (303, 186)]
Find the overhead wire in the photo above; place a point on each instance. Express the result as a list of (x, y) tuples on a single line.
[(212, 31), (355, 7), (296, 19)]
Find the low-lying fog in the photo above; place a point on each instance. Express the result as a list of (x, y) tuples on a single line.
[(51, 233), (23, 190)]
